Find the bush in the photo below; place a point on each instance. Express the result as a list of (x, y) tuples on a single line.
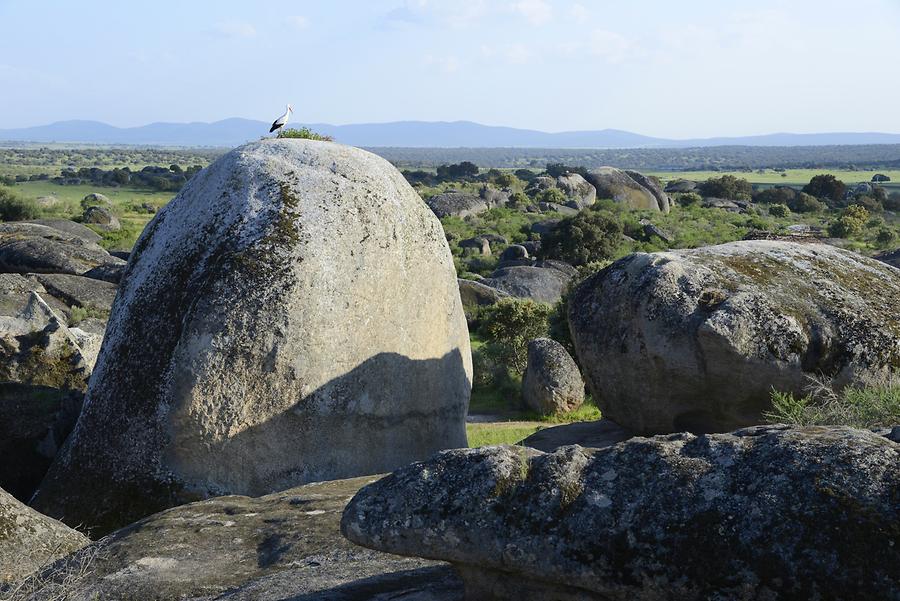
[(688, 198), (584, 238), (509, 325), (552, 195), (727, 186), (15, 208), (868, 203), (806, 203), (779, 210), (885, 237), (892, 203), (304, 133), (851, 222), (828, 187), (873, 406), (775, 196)]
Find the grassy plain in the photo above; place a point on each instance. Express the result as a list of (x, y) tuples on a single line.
[(791, 177)]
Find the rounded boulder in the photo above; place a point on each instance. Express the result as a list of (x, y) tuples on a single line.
[(552, 384), (698, 339), (291, 316)]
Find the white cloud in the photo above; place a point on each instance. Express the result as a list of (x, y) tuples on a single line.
[(438, 12), (297, 21), (612, 47), (537, 12), (235, 29)]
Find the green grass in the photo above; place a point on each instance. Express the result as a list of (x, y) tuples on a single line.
[(876, 404), (792, 177), (124, 200), (482, 435)]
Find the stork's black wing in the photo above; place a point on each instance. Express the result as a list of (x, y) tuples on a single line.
[(275, 125)]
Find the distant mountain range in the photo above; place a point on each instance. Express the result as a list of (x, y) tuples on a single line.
[(411, 134)]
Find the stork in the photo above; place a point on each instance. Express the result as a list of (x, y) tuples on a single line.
[(282, 120)]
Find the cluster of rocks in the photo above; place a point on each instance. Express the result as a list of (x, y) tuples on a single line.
[(54, 301), (257, 371)]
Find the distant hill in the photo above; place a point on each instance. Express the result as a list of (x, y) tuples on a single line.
[(409, 134)]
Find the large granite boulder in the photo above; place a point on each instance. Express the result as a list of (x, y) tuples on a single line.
[(552, 384), (291, 316), (32, 247), (457, 204), (680, 186), (541, 284), (29, 540), (698, 339), (578, 191), (286, 545), (622, 187), (762, 513)]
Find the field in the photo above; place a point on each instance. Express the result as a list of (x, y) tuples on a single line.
[(789, 177)]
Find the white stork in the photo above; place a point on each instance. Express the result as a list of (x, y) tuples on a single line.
[(282, 120)]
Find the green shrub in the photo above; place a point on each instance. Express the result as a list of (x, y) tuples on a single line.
[(775, 196), (688, 198), (779, 210), (304, 133), (806, 203), (509, 325), (727, 186), (851, 222), (885, 237), (868, 203), (15, 208), (870, 406), (584, 238), (551, 195)]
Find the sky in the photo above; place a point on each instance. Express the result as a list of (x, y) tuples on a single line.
[(677, 69)]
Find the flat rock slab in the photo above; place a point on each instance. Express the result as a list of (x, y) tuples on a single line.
[(71, 227), (597, 435), (284, 545), (764, 513), (32, 247), (79, 291)]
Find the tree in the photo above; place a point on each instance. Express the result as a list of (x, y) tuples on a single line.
[(780, 195), (551, 195), (806, 203), (727, 186), (584, 238), (826, 186), (510, 324)]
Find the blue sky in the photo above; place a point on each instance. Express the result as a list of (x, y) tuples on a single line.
[(663, 68)]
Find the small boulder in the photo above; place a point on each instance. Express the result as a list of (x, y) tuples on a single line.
[(95, 199), (681, 186), (29, 540), (552, 384), (475, 295), (477, 245), (762, 513), (579, 192), (456, 204), (544, 285), (101, 217), (514, 252), (544, 227), (697, 339), (621, 187)]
